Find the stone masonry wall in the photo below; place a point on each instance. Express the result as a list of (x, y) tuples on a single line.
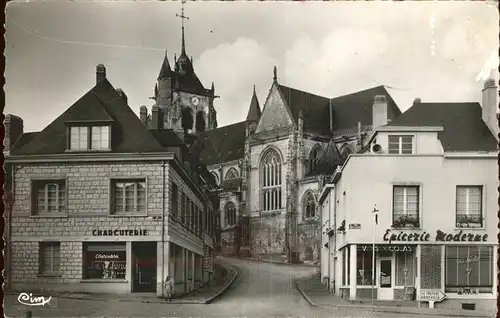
[(267, 235)]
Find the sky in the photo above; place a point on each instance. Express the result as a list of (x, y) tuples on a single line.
[(437, 51)]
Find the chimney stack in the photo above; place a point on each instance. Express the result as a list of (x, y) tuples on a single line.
[(100, 73), (417, 101), (379, 111), (490, 106), (143, 114), (156, 118), (14, 128), (120, 92)]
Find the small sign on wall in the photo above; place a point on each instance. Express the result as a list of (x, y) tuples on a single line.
[(354, 226)]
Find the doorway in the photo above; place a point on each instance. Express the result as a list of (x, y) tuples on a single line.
[(144, 267), (385, 274)]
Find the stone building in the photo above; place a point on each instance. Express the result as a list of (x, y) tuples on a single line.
[(428, 183), (104, 204)]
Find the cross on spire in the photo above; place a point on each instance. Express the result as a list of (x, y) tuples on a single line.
[(183, 17)]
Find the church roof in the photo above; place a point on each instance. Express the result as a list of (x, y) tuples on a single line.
[(254, 110), (464, 129), (226, 143)]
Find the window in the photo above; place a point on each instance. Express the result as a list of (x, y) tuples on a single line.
[(183, 208), (309, 206), (270, 171), (85, 138), (405, 206), (401, 145), (231, 174), (49, 196), (50, 257), (175, 201), (364, 268), (230, 214), (104, 260), (129, 196), (469, 206), (188, 213), (194, 221), (405, 269), (79, 138), (313, 158), (100, 137), (469, 269)]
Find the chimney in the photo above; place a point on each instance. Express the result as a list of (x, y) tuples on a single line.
[(143, 114), (379, 111), (490, 106), (100, 73), (120, 92), (417, 101), (14, 128), (156, 118)]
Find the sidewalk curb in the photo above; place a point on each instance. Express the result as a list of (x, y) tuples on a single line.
[(277, 263), (395, 310), (225, 288)]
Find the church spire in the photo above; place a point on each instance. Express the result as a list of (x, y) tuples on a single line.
[(183, 17), (254, 111)]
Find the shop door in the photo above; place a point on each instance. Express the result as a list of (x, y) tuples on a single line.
[(144, 267), (385, 274)]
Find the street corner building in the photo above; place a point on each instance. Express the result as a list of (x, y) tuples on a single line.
[(422, 195), (101, 202)]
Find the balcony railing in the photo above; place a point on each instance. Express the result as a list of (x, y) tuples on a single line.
[(406, 220), (469, 220)]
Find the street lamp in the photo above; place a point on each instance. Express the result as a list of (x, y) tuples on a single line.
[(375, 222)]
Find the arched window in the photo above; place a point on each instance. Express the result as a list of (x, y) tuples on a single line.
[(231, 174), (200, 121), (216, 177), (229, 214), (309, 207), (187, 119), (271, 174), (345, 151), (313, 158)]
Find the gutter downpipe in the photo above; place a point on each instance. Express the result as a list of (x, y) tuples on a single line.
[(163, 232)]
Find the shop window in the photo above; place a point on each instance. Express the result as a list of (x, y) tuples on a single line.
[(364, 268), (469, 269), (406, 206), (104, 260), (129, 196), (405, 269), (469, 206), (50, 257)]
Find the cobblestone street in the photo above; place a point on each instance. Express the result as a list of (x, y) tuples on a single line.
[(260, 290)]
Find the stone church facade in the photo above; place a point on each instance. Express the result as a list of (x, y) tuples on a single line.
[(270, 167)]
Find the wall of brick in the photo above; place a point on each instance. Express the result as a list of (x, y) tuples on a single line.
[(88, 185)]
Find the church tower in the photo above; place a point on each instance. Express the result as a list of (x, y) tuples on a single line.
[(186, 105)]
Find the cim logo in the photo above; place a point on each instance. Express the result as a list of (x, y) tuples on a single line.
[(29, 300)]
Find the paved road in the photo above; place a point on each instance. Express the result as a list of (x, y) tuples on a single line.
[(261, 290)]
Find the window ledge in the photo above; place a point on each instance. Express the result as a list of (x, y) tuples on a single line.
[(86, 150), (97, 280), (417, 228), (50, 215), (131, 215), (48, 275), (470, 228)]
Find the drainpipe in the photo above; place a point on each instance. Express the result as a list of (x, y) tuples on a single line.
[(163, 232), (334, 227)]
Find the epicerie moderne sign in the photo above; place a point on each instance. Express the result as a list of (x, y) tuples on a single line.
[(440, 236), (120, 232)]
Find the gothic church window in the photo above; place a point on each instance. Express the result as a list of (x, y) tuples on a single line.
[(271, 175), (187, 119), (200, 121), (230, 214), (313, 158), (231, 174), (309, 208)]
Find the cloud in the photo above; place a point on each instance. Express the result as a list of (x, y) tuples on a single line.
[(235, 67)]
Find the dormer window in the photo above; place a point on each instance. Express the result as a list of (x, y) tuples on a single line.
[(401, 144), (89, 138)]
